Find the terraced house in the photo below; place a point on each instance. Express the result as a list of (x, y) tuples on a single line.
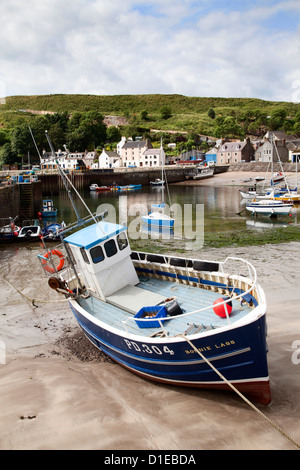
[(139, 153), (235, 152)]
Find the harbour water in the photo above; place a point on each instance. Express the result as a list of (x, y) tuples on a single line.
[(213, 209)]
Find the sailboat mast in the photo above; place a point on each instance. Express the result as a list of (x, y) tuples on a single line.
[(35, 144), (162, 172)]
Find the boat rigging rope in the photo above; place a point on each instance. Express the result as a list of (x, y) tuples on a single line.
[(32, 301), (240, 394)]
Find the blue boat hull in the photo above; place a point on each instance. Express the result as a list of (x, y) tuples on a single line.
[(239, 354), (46, 214), (158, 222)]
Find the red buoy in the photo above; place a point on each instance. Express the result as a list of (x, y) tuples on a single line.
[(220, 309)]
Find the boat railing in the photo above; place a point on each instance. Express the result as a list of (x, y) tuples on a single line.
[(239, 295)]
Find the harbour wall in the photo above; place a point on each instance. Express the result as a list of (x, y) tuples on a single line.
[(21, 199), (52, 183), (263, 167)]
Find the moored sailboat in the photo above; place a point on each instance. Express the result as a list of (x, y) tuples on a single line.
[(157, 216)]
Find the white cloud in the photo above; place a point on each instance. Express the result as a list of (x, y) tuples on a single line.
[(137, 47)]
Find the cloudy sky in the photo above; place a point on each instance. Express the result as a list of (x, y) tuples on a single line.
[(227, 48)]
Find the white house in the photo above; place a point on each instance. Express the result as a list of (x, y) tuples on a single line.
[(67, 161), (120, 145), (89, 158), (107, 159), (152, 157), (132, 152)]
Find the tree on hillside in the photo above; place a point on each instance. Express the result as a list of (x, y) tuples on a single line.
[(74, 122), (211, 113), (21, 141), (144, 115), (7, 155), (88, 131), (228, 127), (4, 137), (165, 112), (113, 134), (277, 119)]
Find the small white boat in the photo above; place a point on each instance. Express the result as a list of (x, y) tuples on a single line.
[(200, 173), (157, 182), (203, 173), (288, 197), (277, 177), (95, 187), (250, 194), (269, 207), (30, 231), (157, 216)]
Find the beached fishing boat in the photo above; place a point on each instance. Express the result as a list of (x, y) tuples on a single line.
[(173, 320), (200, 173), (153, 313)]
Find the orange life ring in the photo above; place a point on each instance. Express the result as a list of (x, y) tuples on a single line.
[(61, 263)]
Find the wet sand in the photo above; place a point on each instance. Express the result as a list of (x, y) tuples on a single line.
[(238, 178), (58, 392)]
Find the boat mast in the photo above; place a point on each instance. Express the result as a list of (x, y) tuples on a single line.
[(62, 176), (162, 172), (35, 144), (278, 157)]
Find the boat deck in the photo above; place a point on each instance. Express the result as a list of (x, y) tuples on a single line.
[(189, 299)]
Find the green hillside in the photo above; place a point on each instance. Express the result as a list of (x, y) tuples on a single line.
[(77, 120), (122, 104)]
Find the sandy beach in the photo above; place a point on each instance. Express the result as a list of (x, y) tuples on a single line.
[(58, 392)]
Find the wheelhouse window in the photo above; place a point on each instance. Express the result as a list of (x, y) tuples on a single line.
[(122, 241), (97, 254), (84, 255), (110, 248)]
